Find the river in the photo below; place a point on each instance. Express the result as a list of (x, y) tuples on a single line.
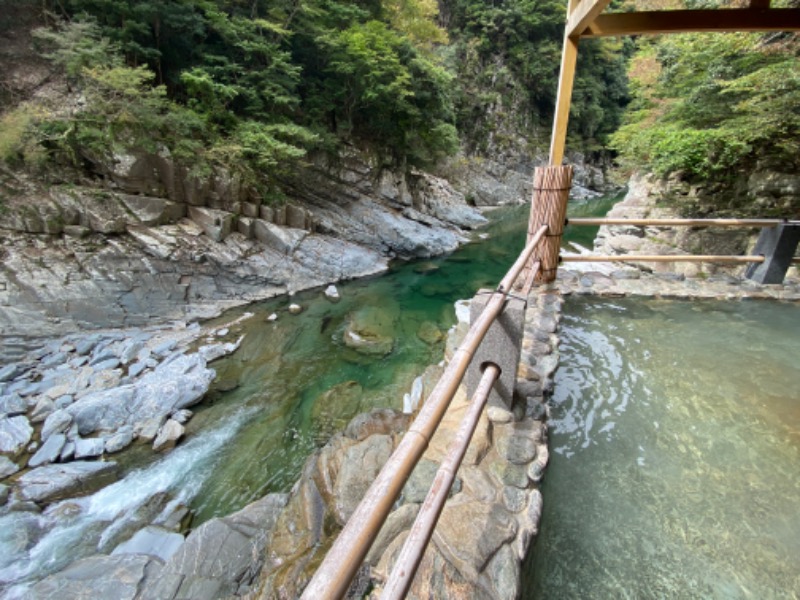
[(263, 417)]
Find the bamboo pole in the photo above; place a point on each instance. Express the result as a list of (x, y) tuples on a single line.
[(663, 258), (551, 187), (344, 558), (407, 563), (581, 221)]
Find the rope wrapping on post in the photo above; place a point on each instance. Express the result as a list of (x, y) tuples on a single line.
[(551, 187)]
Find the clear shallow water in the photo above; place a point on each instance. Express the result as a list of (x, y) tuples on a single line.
[(675, 453)]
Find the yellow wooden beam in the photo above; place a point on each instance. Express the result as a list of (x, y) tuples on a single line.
[(680, 21), (569, 57), (583, 14)]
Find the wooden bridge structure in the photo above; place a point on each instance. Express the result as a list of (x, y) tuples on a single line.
[(538, 262)]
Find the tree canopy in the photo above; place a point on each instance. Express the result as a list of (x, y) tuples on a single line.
[(710, 106), (254, 85)]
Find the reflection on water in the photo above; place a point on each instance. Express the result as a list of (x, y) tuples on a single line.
[(675, 463)]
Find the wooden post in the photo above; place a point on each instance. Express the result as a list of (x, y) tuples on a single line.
[(566, 78), (551, 187)]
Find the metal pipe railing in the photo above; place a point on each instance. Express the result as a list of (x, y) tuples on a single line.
[(677, 222), (333, 577), (661, 258), (407, 563)]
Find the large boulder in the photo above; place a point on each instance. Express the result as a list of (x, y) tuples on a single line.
[(370, 330), (54, 482), (174, 384), (15, 433), (97, 577)]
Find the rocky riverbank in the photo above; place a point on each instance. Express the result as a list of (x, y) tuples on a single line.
[(272, 546), (156, 244)]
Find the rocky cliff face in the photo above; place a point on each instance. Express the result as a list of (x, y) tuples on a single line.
[(507, 178), (645, 199), (155, 243)]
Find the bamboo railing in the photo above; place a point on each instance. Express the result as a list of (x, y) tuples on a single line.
[(333, 577)]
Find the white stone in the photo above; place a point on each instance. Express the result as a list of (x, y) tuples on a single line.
[(295, 309), (332, 294)]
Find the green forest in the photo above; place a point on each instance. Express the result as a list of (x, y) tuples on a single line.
[(254, 86)]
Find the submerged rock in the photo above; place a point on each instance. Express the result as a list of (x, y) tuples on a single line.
[(370, 330)]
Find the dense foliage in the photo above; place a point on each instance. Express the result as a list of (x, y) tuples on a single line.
[(711, 106), (254, 85), (508, 55)]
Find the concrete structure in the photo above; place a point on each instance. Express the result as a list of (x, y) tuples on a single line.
[(501, 346)]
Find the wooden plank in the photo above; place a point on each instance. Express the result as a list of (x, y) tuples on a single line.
[(584, 15), (677, 222), (566, 79), (682, 21), (759, 3)]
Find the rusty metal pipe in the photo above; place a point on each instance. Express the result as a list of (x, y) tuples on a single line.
[(413, 550), (332, 579)]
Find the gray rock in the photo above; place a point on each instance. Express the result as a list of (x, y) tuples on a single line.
[(7, 467), (168, 436), (9, 372), (420, 480), (182, 416), (360, 466), (503, 572), (68, 451), (397, 522), (136, 369), (516, 442), (86, 345), (173, 385), (63, 401), (44, 407), (97, 577), (102, 355), (54, 482), (56, 422), (220, 555), (50, 451), (165, 347), (332, 294), (120, 440), (153, 541), (216, 224), (459, 521), (89, 447), (106, 365), (528, 524), (13, 405), (4, 491), (148, 429), (15, 434)]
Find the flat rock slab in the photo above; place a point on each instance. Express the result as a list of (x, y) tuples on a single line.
[(54, 482), (95, 578), (153, 541)]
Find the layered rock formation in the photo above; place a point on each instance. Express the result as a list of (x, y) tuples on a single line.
[(159, 243)]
